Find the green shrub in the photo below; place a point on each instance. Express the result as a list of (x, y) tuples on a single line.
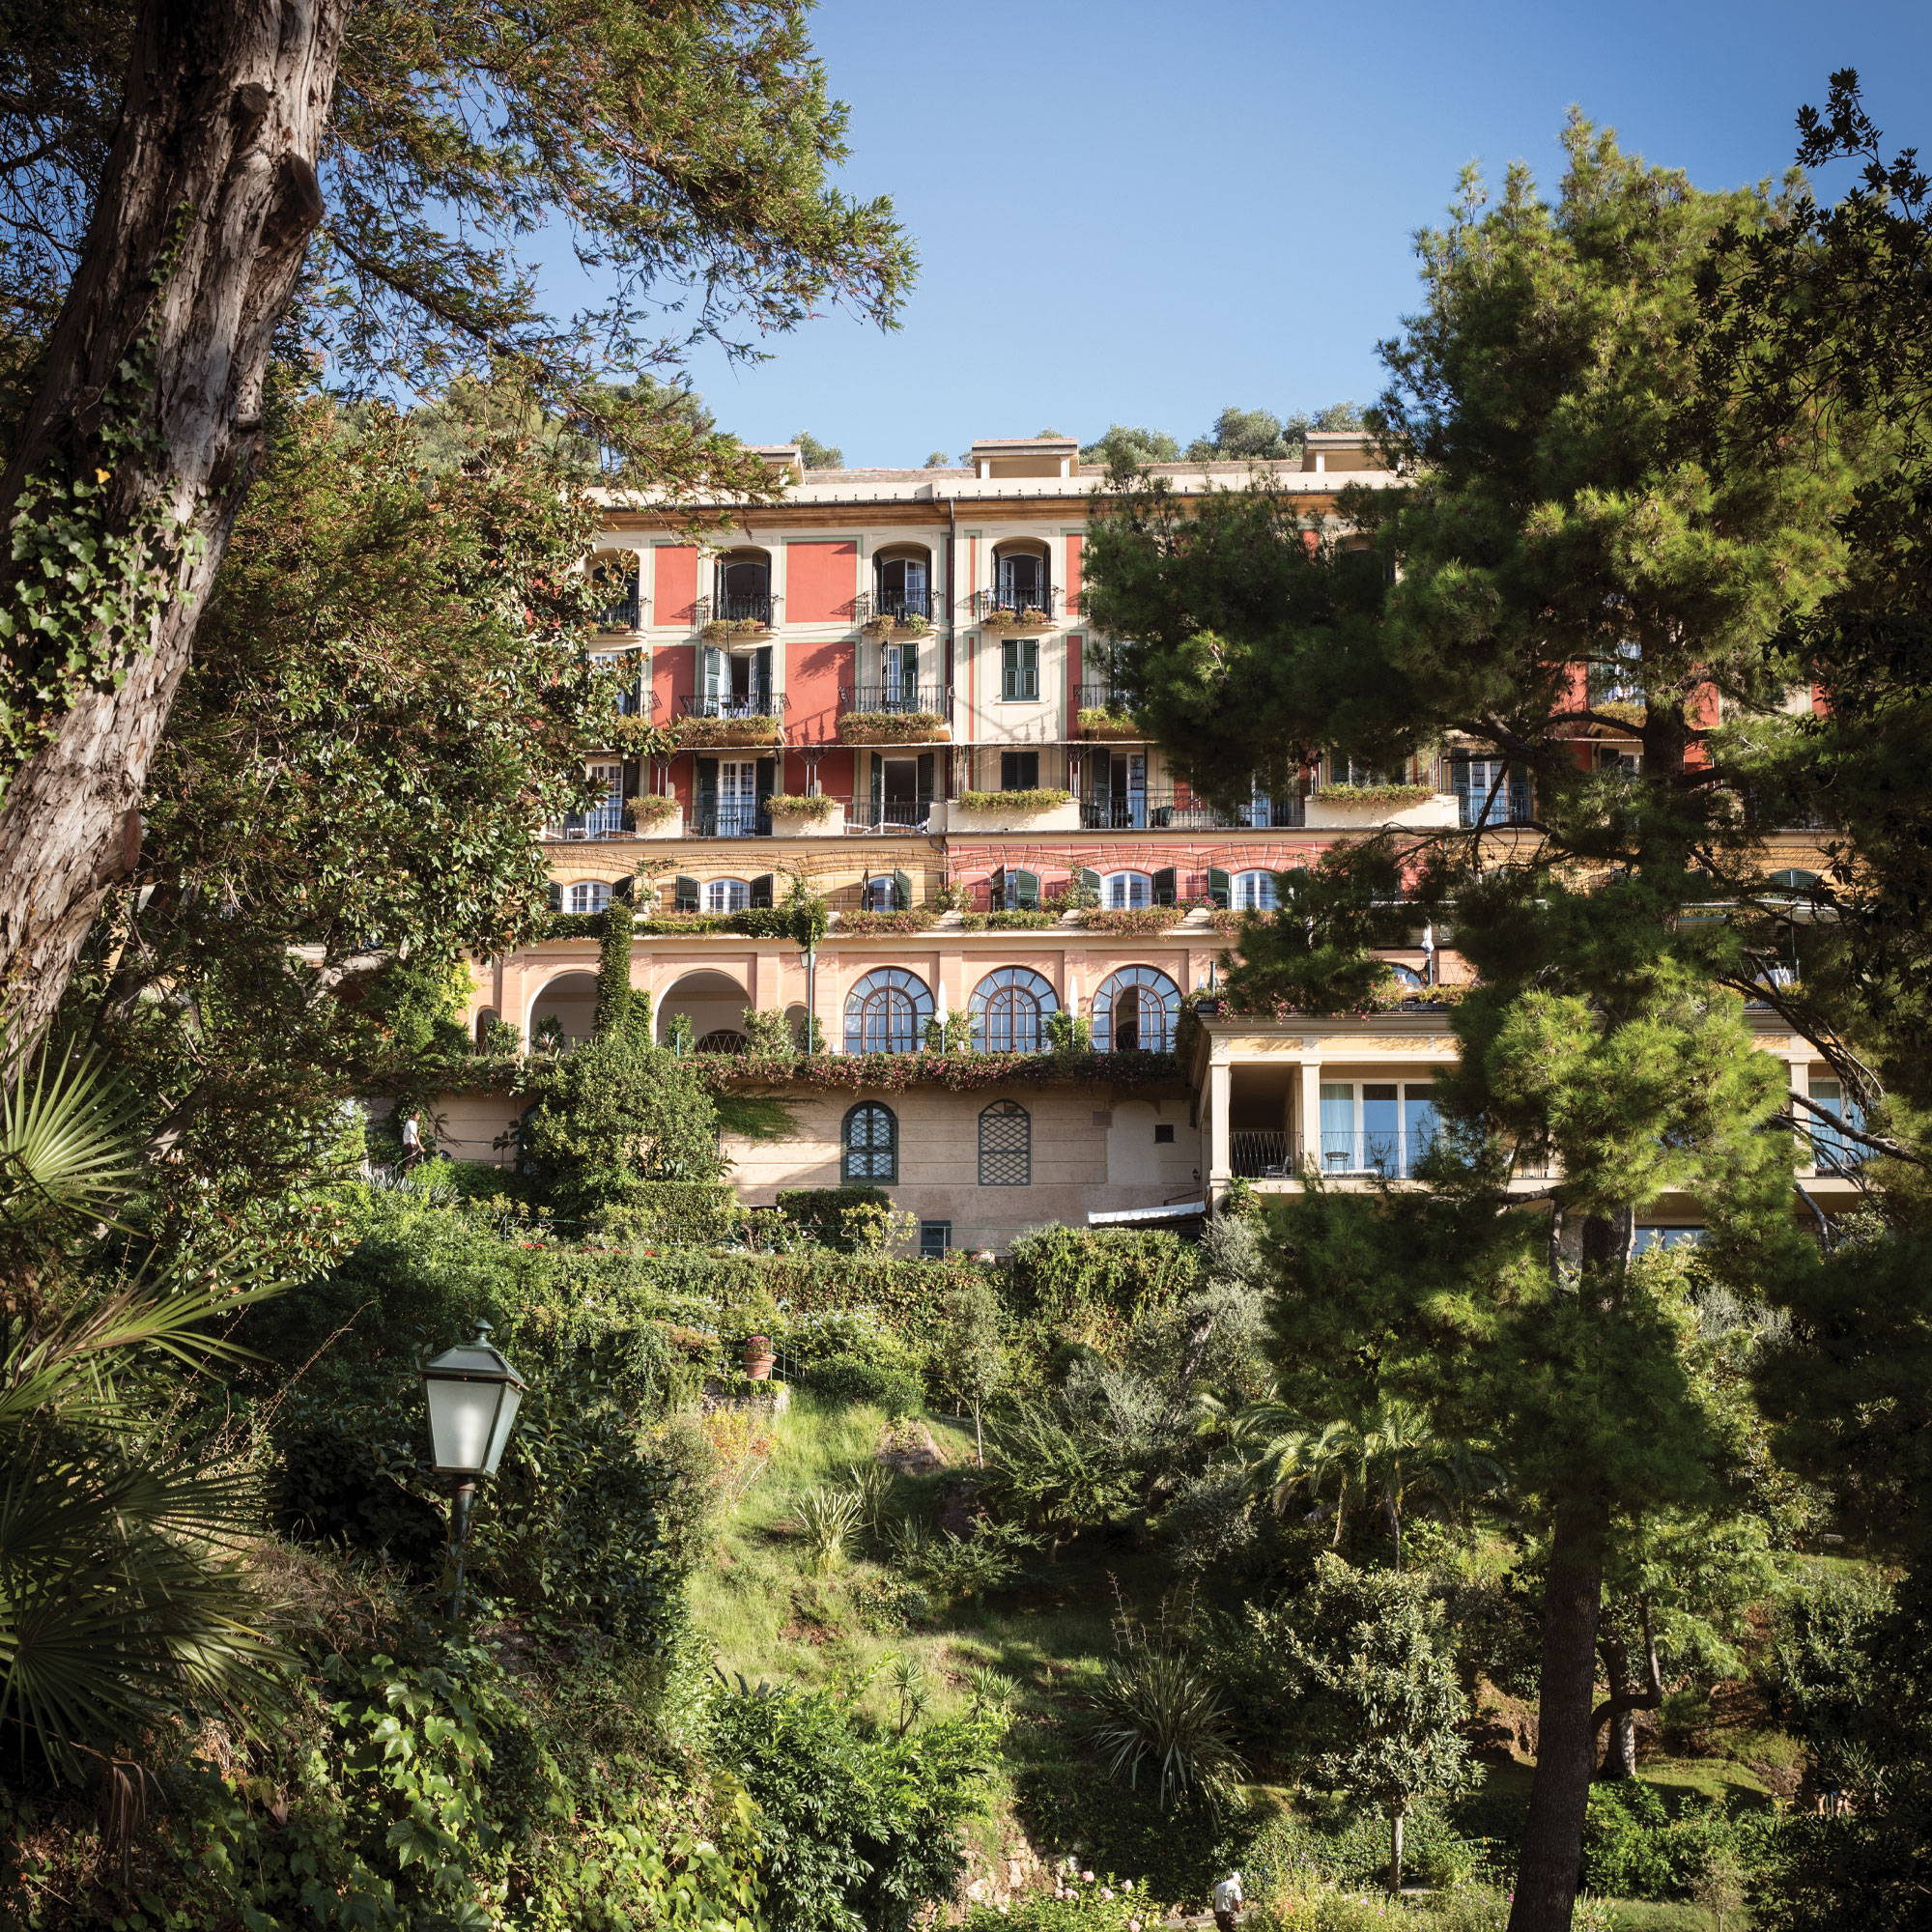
[(859, 1826), (1178, 1855), (851, 1381), (1635, 1845), (685, 1214), (1334, 1842), (848, 1220), (1082, 1900), (1056, 1269)]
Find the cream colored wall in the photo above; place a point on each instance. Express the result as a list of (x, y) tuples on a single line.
[(1090, 1152)]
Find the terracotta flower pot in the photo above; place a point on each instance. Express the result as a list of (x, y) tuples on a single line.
[(759, 1357)]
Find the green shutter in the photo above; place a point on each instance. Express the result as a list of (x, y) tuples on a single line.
[(761, 889), (996, 888), (624, 891), (768, 698), (684, 894), (1025, 889), (714, 674), (765, 782), (901, 893), (878, 788), (707, 798), (1164, 886), (555, 897), (1089, 880), (926, 770), (1220, 887), (909, 671), (1009, 669)]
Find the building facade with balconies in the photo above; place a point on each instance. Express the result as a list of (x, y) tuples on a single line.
[(884, 684)]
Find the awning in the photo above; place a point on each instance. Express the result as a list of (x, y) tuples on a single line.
[(1111, 1216)]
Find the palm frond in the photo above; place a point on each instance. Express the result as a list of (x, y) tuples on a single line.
[(69, 1138)]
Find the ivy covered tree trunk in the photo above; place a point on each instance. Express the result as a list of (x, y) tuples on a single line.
[(140, 445)]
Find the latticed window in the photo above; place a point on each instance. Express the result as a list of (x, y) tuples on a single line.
[(1006, 1146), (870, 1144), (590, 896), (1009, 1010), (887, 1011)]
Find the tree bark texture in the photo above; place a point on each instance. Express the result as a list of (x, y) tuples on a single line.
[(1619, 1710), (1552, 1838), (191, 255)]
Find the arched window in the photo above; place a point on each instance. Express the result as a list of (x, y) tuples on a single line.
[(887, 1011), (1252, 892), (722, 1040), (1006, 1146), (1134, 1008), (869, 1145), (726, 895), (1009, 1010), (590, 896), (880, 893), (903, 575), (485, 1020), (744, 588), (1404, 976), (1122, 892), (1015, 889), (1792, 881)]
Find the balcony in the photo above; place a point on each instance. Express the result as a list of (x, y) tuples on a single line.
[(604, 821), (1171, 811), (1265, 1155), (1099, 713), (726, 719), (895, 714), (1018, 609), (736, 619), (730, 818), (620, 614), (898, 612)]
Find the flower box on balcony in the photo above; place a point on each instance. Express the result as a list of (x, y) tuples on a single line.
[(735, 630), (1031, 618), (892, 727), (807, 816), (1353, 808), (1039, 810), (1098, 721), (1133, 919), (853, 923), (889, 626), (654, 816), (704, 733)]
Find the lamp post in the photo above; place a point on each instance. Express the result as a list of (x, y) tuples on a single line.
[(474, 1395)]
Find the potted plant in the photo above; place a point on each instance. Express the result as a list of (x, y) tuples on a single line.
[(648, 810), (758, 1359)]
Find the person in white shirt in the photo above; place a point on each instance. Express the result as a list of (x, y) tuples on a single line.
[(1228, 1900), (412, 1147)]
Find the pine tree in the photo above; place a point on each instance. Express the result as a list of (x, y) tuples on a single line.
[(1582, 554)]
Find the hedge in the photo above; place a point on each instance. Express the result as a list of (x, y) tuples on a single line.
[(847, 1219)]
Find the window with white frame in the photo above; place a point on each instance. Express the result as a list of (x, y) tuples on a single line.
[(590, 896), (1252, 892), (887, 1011), (1010, 1007), (1375, 1126), (726, 895), (1123, 891), (880, 893), (607, 817)]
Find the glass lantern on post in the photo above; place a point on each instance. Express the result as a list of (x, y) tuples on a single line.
[(474, 1395)]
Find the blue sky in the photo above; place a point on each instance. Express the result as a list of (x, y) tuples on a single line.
[(1142, 212)]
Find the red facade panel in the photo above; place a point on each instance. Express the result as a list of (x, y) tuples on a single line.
[(820, 581), (1076, 544), (675, 597)]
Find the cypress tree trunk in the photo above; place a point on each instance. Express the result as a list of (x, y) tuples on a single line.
[(141, 443), (1552, 1838)]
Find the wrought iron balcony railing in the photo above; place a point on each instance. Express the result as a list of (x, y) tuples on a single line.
[(898, 605), (1154, 810), (749, 610), (621, 613), (730, 818), (761, 700), (1037, 604), (1391, 1154), (899, 697)]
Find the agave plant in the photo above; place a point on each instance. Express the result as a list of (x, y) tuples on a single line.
[(122, 1600)]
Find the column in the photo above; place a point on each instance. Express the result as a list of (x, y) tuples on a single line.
[(1307, 1124), (1220, 1155)]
